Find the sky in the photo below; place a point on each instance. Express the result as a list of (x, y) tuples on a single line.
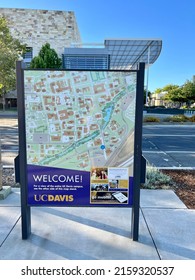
[(172, 21)]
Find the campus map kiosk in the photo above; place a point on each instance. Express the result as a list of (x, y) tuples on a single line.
[(80, 139)]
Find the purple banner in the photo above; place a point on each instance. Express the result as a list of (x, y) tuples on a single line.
[(56, 186), (65, 187)]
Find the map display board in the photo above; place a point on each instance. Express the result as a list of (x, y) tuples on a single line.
[(80, 137)]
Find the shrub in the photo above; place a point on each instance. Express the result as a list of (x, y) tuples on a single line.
[(177, 118), (151, 119), (156, 179), (192, 119)]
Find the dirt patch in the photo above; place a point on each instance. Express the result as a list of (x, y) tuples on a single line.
[(183, 185)]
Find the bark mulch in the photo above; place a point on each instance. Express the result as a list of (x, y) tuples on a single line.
[(183, 185)]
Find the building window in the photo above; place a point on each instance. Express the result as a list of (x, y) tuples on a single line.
[(85, 61), (28, 54)]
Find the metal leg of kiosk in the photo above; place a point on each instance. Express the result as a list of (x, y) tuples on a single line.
[(138, 152), (21, 162)]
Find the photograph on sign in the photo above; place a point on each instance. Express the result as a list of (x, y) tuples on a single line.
[(105, 185), (80, 137)]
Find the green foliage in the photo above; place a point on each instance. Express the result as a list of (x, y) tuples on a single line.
[(188, 91), (47, 58), (158, 90), (177, 118), (184, 107), (156, 179), (10, 52), (169, 87), (151, 119), (174, 94)]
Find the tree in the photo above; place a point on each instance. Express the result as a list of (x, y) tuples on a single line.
[(158, 90), (47, 58), (173, 93), (188, 90), (185, 93), (10, 51), (170, 87)]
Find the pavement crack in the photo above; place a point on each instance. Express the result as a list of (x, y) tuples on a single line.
[(9, 232), (153, 241)]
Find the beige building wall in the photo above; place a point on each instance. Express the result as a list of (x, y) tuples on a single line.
[(156, 99), (37, 27)]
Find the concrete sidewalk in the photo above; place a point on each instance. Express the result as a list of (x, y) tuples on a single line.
[(167, 231)]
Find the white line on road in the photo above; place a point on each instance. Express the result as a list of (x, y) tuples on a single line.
[(168, 152), (168, 135), (170, 125), (9, 151), (175, 168)]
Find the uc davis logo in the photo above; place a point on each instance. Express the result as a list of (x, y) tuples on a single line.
[(50, 198)]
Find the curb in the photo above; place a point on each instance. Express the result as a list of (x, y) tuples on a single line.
[(5, 192)]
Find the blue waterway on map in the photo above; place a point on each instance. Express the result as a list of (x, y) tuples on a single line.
[(107, 112)]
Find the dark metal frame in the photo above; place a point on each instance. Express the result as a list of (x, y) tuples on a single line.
[(138, 151), (22, 168), (25, 209)]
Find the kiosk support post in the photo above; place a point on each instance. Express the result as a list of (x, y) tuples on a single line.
[(138, 152), (25, 209)]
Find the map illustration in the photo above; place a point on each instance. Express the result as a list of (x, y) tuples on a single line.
[(80, 119)]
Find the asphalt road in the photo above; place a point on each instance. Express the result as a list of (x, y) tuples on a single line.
[(169, 146), (164, 146)]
